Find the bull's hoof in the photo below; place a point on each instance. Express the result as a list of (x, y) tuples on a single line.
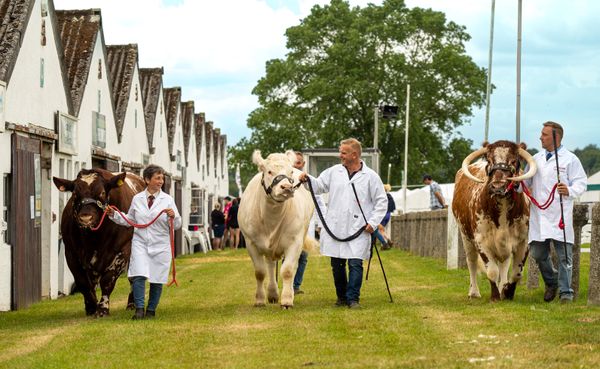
[(474, 295), (273, 300), (102, 313), (286, 307), (259, 304), (130, 306), (509, 290)]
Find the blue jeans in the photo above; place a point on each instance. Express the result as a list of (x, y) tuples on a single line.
[(302, 261), (347, 287), (540, 251), (139, 292)]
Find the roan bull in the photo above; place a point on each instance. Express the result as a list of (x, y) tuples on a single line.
[(492, 216), (274, 217), (97, 258)]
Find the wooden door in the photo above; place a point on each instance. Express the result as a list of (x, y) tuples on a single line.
[(26, 221)]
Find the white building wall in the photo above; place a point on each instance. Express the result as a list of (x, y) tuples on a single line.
[(133, 140), (96, 98), (178, 145), (161, 141)]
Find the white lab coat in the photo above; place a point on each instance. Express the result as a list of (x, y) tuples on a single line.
[(543, 224), (343, 214), (151, 246)]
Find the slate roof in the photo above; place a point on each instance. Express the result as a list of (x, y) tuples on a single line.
[(121, 61), (208, 127), (199, 128), (217, 134), (187, 120), (78, 32), (14, 15), (171, 99), (150, 85)]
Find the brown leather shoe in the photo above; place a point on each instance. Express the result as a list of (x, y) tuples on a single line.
[(550, 293)]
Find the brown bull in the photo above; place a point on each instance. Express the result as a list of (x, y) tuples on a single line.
[(493, 217), (97, 258)]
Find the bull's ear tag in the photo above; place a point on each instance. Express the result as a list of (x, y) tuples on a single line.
[(119, 182)]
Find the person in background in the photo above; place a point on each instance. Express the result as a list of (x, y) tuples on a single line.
[(150, 247), (217, 224), (344, 217), (303, 259), (233, 225), (436, 199), (226, 207), (388, 215), (544, 229)]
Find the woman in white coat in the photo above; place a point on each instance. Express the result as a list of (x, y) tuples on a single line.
[(151, 246), (345, 217)]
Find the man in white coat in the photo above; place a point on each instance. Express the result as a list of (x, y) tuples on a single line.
[(346, 183), (150, 247), (544, 228)]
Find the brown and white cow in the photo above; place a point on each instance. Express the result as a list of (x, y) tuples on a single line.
[(274, 218), (492, 216), (97, 257)]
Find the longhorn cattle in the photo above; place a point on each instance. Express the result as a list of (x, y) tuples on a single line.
[(492, 216), (274, 218), (97, 257)]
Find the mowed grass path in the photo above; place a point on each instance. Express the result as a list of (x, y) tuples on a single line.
[(209, 322)]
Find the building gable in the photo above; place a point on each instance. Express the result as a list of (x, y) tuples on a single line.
[(121, 61)]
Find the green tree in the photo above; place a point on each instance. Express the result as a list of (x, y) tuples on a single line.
[(343, 62), (590, 158)]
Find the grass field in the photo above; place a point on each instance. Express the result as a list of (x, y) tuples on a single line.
[(209, 322)]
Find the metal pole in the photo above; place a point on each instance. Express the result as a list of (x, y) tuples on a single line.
[(489, 77), (376, 129), (404, 180), (389, 170), (519, 72)]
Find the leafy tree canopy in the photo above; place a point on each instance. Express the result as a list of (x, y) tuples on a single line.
[(344, 61)]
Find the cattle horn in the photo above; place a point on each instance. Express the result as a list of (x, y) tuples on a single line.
[(532, 166), (465, 164)]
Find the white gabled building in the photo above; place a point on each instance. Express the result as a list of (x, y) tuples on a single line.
[(151, 83), (62, 110), (122, 64), (33, 90), (91, 92)]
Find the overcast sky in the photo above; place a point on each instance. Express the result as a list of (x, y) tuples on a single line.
[(216, 51)]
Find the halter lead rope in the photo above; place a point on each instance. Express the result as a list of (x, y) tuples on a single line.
[(347, 239), (141, 226)]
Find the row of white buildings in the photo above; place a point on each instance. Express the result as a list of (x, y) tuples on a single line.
[(68, 101)]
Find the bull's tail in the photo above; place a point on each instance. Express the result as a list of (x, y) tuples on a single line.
[(310, 244)]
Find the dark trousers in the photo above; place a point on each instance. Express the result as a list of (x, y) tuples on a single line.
[(347, 286)]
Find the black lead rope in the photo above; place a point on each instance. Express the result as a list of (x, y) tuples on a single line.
[(347, 239)]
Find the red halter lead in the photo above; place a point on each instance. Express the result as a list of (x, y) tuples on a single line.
[(141, 226)]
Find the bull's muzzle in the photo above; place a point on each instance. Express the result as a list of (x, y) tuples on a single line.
[(498, 187)]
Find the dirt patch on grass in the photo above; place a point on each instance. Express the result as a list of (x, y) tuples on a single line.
[(28, 345), (214, 259)]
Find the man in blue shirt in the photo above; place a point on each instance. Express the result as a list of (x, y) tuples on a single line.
[(436, 199)]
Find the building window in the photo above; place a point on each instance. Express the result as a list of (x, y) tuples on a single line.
[(99, 101), (197, 207), (136, 92), (99, 68), (42, 72), (98, 130)]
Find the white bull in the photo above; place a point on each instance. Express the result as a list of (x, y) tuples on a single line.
[(274, 218)]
